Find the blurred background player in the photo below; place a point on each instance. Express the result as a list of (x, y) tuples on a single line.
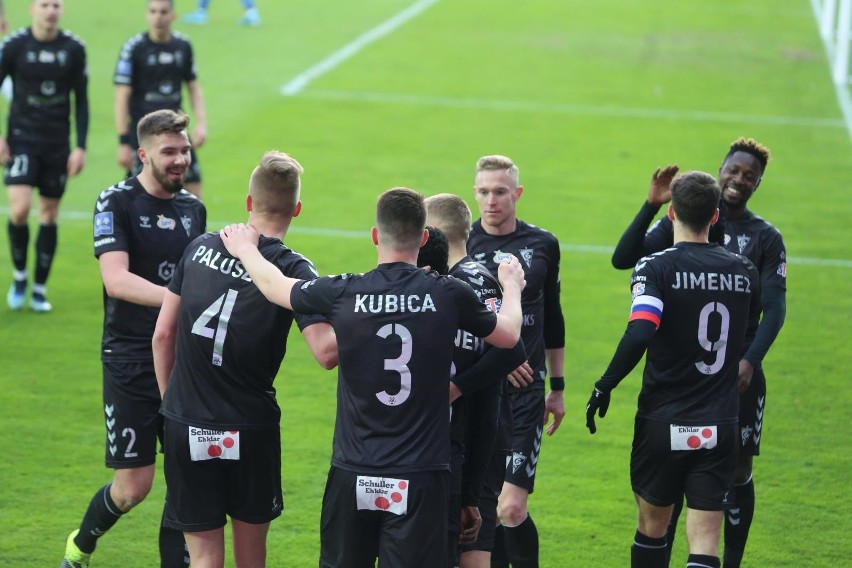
[(152, 68), (46, 65), (251, 16), (745, 233), (496, 235)]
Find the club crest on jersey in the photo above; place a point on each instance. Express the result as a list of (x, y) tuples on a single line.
[(742, 242), (103, 223), (527, 254), (518, 460), (745, 434), (187, 223), (500, 256), (782, 270), (62, 56), (164, 222)]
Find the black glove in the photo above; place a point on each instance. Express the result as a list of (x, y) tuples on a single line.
[(598, 402)]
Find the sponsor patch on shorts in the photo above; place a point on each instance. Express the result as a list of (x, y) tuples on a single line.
[(693, 437), (207, 444), (382, 494)]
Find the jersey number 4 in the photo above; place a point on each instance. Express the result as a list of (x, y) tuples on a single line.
[(222, 307)]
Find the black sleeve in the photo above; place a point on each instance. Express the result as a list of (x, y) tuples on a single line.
[(773, 300), (631, 246), (81, 100), (554, 320), (490, 369), (629, 352), (483, 412)]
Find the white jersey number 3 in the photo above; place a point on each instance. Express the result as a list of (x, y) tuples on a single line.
[(398, 365)]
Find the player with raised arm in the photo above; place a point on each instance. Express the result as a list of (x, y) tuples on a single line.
[(396, 325), (743, 232), (691, 310)]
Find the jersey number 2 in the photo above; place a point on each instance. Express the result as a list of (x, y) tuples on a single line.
[(222, 307), (398, 365)]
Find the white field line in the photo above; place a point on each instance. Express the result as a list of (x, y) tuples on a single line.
[(298, 83), (842, 91), (574, 109), (365, 236)]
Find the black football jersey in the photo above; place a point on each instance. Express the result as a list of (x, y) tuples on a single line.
[(155, 72), (539, 255), (154, 233), (396, 327), (700, 296), (230, 338), (44, 74)]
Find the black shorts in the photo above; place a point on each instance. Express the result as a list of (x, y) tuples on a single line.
[(44, 167), (488, 504), (201, 493), (661, 475), (527, 417), (752, 405), (354, 538), (193, 173), (131, 411)]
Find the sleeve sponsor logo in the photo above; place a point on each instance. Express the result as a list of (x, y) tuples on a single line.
[(103, 223)]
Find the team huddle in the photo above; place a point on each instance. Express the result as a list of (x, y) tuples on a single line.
[(449, 353)]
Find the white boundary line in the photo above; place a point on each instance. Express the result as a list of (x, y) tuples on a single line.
[(560, 108), (842, 91), (298, 83), (365, 235)]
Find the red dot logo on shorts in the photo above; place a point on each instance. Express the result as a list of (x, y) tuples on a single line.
[(228, 442), (403, 485), (214, 451), (396, 496), (693, 442), (707, 433), (382, 503)]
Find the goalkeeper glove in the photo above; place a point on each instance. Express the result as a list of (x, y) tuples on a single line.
[(598, 402)]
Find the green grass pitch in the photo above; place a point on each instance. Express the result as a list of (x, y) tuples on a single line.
[(588, 98)]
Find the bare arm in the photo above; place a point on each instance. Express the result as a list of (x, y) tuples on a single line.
[(322, 341), (163, 342), (196, 101), (554, 402), (241, 241), (122, 284)]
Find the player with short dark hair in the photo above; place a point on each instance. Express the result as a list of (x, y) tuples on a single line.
[(151, 71), (496, 234), (218, 346), (745, 233), (396, 325), (141, 227), (47, 66), (692, 305)]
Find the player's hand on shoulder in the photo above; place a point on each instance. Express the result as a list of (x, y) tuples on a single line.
[(598, 403), (239, 238), (76, 162), (659, 192)]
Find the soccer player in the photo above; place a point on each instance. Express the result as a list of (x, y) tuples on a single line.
[(386, 494), (141, 227), (497, 234), (480, 371), (251, 16), (218, 346), (750, 235), (152, 68), (46, 65), (691, 312)]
